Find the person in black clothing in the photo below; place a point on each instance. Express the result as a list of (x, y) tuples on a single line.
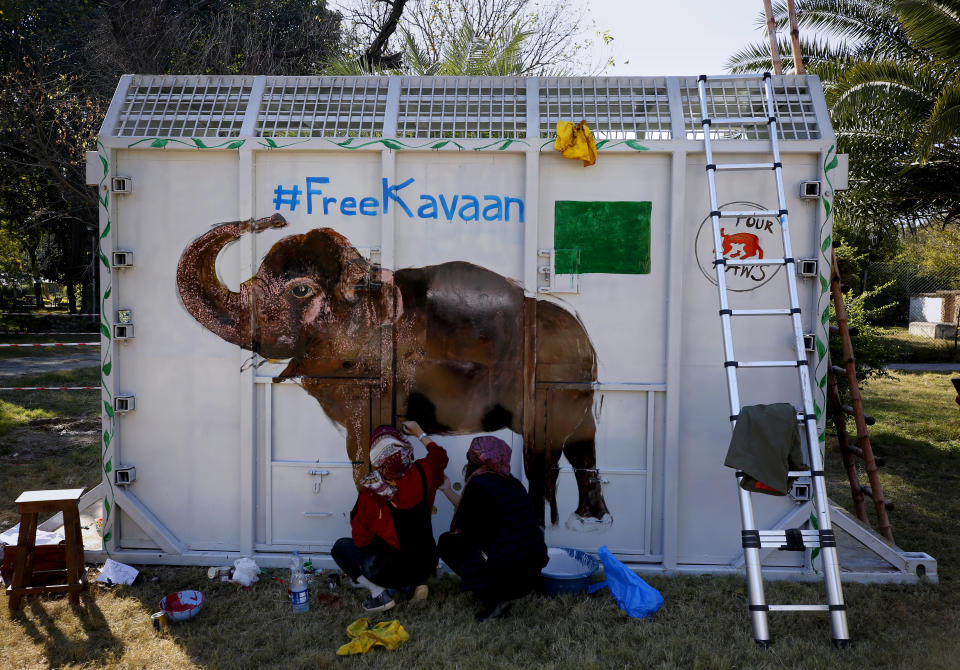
[(495, 543)]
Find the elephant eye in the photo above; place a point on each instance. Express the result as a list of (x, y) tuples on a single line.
[(301, 290)]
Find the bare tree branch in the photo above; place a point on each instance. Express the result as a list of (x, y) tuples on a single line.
[(374, 57)]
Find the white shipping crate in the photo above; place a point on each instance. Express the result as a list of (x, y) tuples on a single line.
[(449, 187)]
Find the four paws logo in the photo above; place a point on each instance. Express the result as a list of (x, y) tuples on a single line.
[(741, 239)]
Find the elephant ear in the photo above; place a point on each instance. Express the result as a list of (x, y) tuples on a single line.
[(354, 274)]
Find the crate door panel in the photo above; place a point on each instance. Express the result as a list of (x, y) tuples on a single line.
[(617, 467), (312, 460), (311, 504)]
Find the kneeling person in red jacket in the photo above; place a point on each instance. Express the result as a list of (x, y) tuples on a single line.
[(392, 543)]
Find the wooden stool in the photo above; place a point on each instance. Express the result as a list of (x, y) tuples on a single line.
[(31, 504)]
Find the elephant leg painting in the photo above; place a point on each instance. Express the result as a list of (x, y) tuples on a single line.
[(447, 345)]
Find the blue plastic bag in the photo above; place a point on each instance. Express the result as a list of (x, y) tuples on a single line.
[(634, 596)]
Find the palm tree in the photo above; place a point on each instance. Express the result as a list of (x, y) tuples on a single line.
[(891, 72)]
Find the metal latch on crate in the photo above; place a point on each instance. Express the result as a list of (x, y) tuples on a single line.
[(319, 474), (121, 185), (807, 267), (373, 256), (544, 270), (548, 280), (124, 475), (122, 258), (124, 402), (800, 490), (123, 326)]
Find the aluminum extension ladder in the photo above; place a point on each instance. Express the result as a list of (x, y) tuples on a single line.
[(753, 539)]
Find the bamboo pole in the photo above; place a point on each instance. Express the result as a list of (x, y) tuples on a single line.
[(863, 436), (798, 65), (840, 424), (772, 34)]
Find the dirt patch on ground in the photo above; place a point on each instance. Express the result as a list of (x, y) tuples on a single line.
[(41, 438)]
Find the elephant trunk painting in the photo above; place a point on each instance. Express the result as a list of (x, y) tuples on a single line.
[(453, 346)]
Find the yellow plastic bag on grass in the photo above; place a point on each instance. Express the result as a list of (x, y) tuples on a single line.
[(389, 634), (574, 140)]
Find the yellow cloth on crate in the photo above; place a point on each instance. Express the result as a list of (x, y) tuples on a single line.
[(575, 140), (389, 634)]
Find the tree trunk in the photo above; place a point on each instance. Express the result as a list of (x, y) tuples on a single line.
[(798, 66), (772, 34), (35, 271), (89, 298), (72, 297)]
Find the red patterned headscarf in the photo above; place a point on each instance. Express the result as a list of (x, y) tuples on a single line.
[(491, 454), (390, 457)]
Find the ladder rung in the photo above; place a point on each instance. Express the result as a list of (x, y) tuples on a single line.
[(766, 364), (812, 535), (757, 261), (801, 419), (738, 120), (759, 312), (799, 473), (792, 539), (727, 77), (799, 608), (730, 214), (746, 166)]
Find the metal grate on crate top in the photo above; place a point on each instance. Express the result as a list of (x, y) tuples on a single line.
[(614, 107), (797, 118), (183, 106), (462, 107), (323, 107)]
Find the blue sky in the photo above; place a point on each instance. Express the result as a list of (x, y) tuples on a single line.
[(678, 37)]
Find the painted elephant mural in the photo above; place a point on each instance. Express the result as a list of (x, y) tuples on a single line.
[(454, 346)]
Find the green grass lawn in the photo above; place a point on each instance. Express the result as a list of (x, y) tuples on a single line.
[(704, 623), (902, 347)]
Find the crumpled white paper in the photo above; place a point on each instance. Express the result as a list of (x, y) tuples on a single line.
[(11, 536), (245, 571), (114, 572)]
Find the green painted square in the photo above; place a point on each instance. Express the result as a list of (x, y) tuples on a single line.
[(612, 237)]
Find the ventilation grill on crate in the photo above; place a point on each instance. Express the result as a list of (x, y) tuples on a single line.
[(190, 106), (746, 98), (462, 107), (496, 108), (323, 107), (623, 108)]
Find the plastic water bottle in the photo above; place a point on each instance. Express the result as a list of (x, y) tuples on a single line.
[(299, 597)]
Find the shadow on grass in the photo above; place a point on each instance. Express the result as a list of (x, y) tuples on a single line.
[(64, 646)]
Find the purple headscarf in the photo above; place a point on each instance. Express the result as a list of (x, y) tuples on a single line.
[(491, 454)]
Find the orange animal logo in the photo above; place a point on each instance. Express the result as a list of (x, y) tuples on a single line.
[(747, 245)]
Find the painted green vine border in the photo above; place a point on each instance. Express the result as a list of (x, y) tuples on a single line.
[(830, 163), (196, 143), (390, 143), (609, 144), (106, 364), (823, 304)]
